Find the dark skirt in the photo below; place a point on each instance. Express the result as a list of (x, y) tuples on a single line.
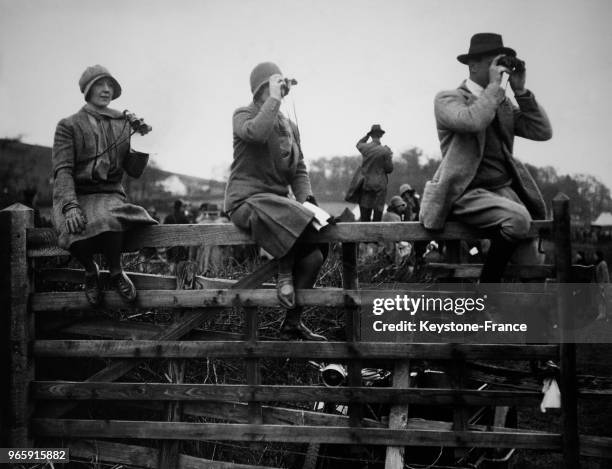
[(275, 222), (104, 212)]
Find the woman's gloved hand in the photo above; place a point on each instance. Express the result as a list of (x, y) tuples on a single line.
[(75, 220)]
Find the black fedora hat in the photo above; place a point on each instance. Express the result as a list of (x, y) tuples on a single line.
[(376, 129), (485, 44)]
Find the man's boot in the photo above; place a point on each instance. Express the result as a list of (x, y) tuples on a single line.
[(499, 255)]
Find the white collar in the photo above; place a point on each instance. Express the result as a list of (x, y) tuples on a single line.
[(474, 87)]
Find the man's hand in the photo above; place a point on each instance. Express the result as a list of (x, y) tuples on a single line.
[(276, 83), (75, 220), (495, 71), (517, 82)]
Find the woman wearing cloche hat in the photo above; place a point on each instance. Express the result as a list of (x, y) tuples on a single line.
[(90, 210), (267, 160)]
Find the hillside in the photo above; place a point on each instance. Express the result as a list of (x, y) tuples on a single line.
[(24, 166)]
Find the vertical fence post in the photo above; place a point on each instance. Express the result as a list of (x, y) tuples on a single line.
[(457, 365), (567, 349), (252, 364), (353, 330), (14, 222)]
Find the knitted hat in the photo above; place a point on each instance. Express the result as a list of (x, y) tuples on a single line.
[(405, 188), (397, 201), (261, 74), (93, 74)]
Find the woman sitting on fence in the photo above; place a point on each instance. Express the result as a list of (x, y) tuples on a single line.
[(90, 210), (267, 160)]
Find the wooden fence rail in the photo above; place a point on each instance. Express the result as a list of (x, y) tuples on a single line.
[(243, 404)]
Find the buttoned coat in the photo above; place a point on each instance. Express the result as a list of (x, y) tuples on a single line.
[(462, 120)]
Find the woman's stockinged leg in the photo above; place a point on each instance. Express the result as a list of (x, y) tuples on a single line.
[(83, 251), (305, 271), (285, 290), (112, 245)]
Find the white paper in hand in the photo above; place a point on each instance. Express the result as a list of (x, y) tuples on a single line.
[(321, 217)]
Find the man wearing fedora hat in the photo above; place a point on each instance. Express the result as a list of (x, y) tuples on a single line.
[(375, 166), (479, 182)]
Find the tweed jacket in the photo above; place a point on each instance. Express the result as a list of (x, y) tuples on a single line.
[(79, 163), (462, 120), (267, 156), (376, 164)]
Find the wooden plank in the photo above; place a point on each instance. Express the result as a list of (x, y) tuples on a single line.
[(176, 330), (141, 456), (567, 350), (267, 393), (596, 446), (67, 428), (526, 272), (141, 281), (14, 221), (253, 375), (111, 329), (238, 412), (398, 415), (328, 297), (350, 281), (43, 241), (160, 348)]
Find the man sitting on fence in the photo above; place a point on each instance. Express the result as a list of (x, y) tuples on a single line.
[(479, 182)]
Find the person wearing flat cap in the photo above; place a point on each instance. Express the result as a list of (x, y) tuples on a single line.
[(90, 209), (376, 164), (479, 181), (268, 160)]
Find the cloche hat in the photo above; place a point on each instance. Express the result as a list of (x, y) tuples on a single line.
[(93, 74), (261, 74)]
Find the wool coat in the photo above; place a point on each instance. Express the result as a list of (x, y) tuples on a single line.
[(268, 160), (462, 120), (87, 161)]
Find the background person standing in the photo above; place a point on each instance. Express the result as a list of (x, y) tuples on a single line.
[(375, 166)]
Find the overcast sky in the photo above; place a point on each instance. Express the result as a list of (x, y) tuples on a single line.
[(184, 65)]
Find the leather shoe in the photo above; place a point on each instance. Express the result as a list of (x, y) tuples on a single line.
[(93, 292), (285, 291), (124, 286), (289, 331)]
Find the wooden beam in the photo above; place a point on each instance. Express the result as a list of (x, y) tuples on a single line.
[(398, 415), (567, 350), (141, 456), (17, 324), (43, 241), (66, 428), (262, 349), (268, 393), (328, 297), (596, 446), (141, 281), (112, 329)]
